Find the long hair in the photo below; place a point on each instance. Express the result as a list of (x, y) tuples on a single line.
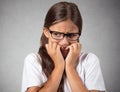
[(59, 12)]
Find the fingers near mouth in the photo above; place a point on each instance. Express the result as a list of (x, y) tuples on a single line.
[(64, 51)]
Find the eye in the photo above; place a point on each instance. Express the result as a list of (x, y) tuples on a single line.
[(71, 35), (57, 34)]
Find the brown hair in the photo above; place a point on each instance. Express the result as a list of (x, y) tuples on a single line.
[(59, 12)]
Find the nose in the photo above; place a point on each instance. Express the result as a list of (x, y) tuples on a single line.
[(64, 42)]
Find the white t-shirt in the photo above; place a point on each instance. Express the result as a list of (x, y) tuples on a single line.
[(88, 69)]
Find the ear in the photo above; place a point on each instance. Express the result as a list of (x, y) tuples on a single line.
[(46, 32)]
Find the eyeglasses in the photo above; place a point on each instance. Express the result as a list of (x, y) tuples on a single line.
[(59, 35)]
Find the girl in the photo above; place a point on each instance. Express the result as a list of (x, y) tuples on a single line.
[(59, 65)]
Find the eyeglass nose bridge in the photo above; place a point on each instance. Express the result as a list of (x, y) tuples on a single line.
[(65, 35)]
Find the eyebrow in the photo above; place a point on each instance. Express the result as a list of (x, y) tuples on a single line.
[(64, 33)]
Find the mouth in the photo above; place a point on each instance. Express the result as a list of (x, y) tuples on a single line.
[(64, 51)]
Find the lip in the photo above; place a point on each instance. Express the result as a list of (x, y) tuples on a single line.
[(64, 51)]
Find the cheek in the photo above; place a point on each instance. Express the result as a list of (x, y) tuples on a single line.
[(53, 40)]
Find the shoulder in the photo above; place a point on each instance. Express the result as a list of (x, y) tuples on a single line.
[(88, 59), (32, 58), (91, 71)]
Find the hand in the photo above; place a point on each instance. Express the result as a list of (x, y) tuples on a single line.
[(74, 52), (54, 52)]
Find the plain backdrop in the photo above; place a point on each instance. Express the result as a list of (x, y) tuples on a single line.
[(21, 23)]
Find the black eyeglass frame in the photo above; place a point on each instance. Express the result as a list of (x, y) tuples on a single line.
[(67, 35)]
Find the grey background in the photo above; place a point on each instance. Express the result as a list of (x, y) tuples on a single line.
[(21, 23)]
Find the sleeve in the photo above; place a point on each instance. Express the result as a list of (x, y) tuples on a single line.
[(32, 73), (93, 75)]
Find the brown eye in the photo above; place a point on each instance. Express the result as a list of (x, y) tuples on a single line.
[(71, 35), (57, 34)]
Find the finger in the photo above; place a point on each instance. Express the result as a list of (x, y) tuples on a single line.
[(46, 46), (75, 46), (80, 45), (50, 44), (71, 47), (54, 45), (58, 47), (68, 47)]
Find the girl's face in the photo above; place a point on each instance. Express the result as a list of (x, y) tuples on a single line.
[(63, 33)]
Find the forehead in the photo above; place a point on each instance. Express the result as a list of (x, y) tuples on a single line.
[(64, 26)]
